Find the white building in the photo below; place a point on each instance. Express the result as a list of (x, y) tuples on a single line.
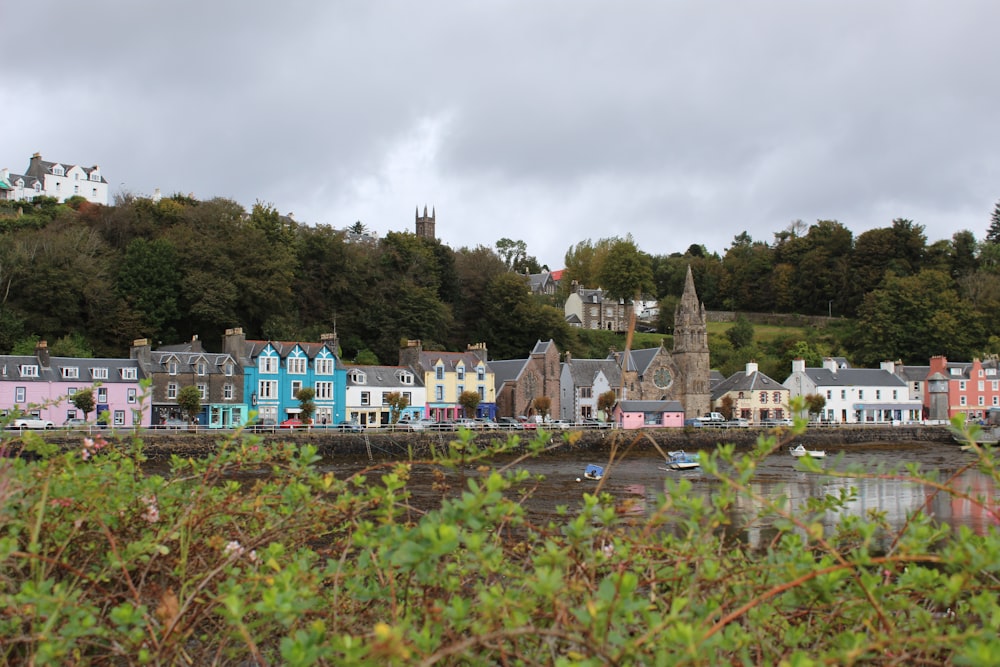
[(581, 383), (54, 179), (368, 388), (855, 395)]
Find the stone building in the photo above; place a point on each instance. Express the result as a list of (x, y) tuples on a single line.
[(520, 381), (425, 224)]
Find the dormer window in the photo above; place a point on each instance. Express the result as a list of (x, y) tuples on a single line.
[(406, 377), (202, 368), (439, 372), (130, 374), (481, 373), (94, 176), (357, 377), (70, 372), (227, 369), (460, 372), (29, 371), (172, 368), (37, 186), (99, 373), (58, 170), (297, 366)]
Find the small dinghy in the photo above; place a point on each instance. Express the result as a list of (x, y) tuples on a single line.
[(681, 460), (593, 472), (800, 451)]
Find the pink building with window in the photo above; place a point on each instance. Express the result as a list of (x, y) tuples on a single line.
[(42, 386), (649, 414)]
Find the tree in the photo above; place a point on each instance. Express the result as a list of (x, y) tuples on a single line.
[(469, 400), (726, 407), (627, 274), (397, 402), (606, 403), (741, 333), (83, 399), (542, 406), (189, 400), (815, 403), (993, 233), (305, 397)]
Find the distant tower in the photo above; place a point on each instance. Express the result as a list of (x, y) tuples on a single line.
[(425, 224), (691, 351)]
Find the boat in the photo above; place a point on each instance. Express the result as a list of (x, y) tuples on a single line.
[(800, 450), (681, 460), (593, 472)]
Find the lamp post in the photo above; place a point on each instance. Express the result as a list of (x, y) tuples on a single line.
[(829, 306)]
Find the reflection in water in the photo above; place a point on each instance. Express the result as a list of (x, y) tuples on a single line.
[(636, 482)]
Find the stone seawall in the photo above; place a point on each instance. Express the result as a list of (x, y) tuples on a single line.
[(403, 445)]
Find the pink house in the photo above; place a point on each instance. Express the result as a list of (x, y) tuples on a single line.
[(649, 414), (41, 385)]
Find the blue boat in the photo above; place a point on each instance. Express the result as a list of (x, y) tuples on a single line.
[(593, 472), (681, 460)]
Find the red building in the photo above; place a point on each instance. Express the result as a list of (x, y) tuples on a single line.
[(973, 387)]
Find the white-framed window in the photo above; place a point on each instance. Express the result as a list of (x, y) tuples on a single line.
[(172, 390), (982, 400), (20, 394), (981, 385), (358, 377), (996, 401), (201, 368), (459, 390), (172, 368), (482, 392), (961, 385), (895, 394), (297, 366), (763, 397), (267, 364), (119, 417), (227, 369), (324, 367), (267, 388), (366, 398), (586, 392), (962, 401), (776, 397), (439, 372), (131, 395), (99, 373), (843, 394), (324, 390), (385, 398), (227, 391), (481, 373), (408, 397), (829, 394), (296, 385), (439, 392), (878, 394), (70, 372), (202, 390), (861, 394), (130, 373), (102, 394), (460, 373), (29, 371), (405, 377)]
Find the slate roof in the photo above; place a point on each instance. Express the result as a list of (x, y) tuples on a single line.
[(10, 369), (639, 360), (284, 348), (383, 376), (38, 168), (854, 377), (429, 358), (741, 381), (187, 361), (583, 371), (506, 371), (913, 373)]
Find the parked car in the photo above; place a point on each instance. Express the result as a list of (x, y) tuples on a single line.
[(75, 422), (509, 424), (264, 426), (486, 424), (739, 422), (31, 423), (465, 422), (590, 422), (696, 423), (553, 424), (172, 423), (421, 424), (292, 422), (351, 426), (784, 421)]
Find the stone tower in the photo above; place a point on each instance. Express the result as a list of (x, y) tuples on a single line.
[(425, 224), (691, 351)]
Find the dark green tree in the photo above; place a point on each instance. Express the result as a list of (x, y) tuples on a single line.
[(469, 400), (83, 399), (993, 232), (149, 280), (741, 333), (305, 397), (189, 401), (397, 402)]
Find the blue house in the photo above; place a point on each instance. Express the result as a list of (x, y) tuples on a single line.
[(274, 371)]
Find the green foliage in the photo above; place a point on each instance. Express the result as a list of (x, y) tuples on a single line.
[(83, 399), (189, 400), (469, 400), (102, 564), (397, 402), (626, 272), (305, 397), (741, 333)]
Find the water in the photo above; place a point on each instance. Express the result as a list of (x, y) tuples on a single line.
[(636, 480)]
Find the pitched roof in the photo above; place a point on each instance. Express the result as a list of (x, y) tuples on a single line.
[(743, 381), (383, 376), (854, 377), (10, 368), (583, 371), (650, 406)]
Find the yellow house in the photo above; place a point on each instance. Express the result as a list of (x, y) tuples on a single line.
[(447, 375)]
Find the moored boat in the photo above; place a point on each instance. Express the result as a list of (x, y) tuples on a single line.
[(800, 450), (681, 460), (593, 472)]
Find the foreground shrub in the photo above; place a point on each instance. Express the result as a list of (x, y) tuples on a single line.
[(256, 555)]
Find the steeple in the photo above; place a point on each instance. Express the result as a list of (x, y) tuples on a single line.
[(425, 224), (691, 350)]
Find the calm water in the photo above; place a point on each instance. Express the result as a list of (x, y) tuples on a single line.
[(638, 479)]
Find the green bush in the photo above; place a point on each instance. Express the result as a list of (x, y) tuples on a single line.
[(258, 555)]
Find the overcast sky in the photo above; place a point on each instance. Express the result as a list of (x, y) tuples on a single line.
[(550, 122)]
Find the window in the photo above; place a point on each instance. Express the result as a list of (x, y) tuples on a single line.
[(861, 394), (324, 390), (131, 395), (29, 371), (385, 398), (406, 378), (829, 394), (119, 417), (227, 392), (438, 393), (296, 385), (409, 398), (586, 392), (460, 373), (70, 372), (324, 366), (130, 374), (776, 397), (267, 388), (297, 366), (996, 401), (895, 394), (481, 373), (878, 394), (172, 368), (961, 385), (962, 400), (763, 397), (459, 390), (439, 372), (201, 368), (981, 385), (172, 390), (982, 400), (843, 394), (366, 398), (99, 373), (357, 377), (19, 394), (482, 392), (228, 369), (102, 394), (267, 364), (995, 385)]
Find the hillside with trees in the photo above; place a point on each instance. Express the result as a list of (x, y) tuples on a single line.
[(91, 279)]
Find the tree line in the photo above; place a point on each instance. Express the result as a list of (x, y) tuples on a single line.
[(90, 279)]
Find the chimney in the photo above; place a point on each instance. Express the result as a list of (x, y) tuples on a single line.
[(234, 343), (332, 341), (479, 349), (42, 352), (889, 366), (196, 344), (830, 364), (752, 368), (568, 357), (141, 352), (798, 365), (410, 354)]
